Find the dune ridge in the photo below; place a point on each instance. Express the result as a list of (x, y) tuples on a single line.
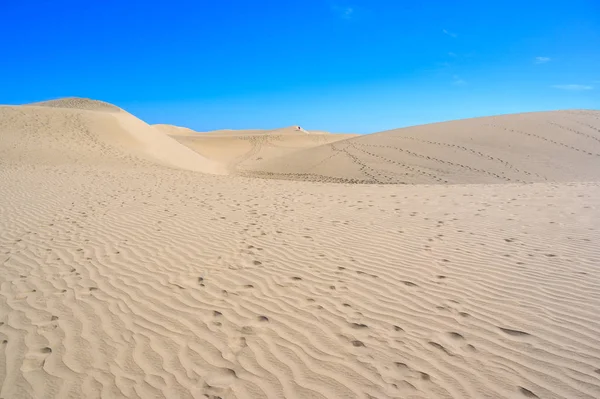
[(533, 147), (173, 130), (79, 103), (238, 150), (57, 134)]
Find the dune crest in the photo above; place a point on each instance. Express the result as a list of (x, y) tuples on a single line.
[(173, 130), (79, 103), (74, 131), (238, 150), (532, 147)]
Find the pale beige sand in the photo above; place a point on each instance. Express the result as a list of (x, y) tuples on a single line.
[(91, 132), (173, 130), (79, 103), (239, 150), (121, 277), (533, 147)]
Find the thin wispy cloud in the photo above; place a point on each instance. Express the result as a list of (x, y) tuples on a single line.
[(457, 81), (542, 60), (451, 54), (447, 32), (343, 12), (573, 87)]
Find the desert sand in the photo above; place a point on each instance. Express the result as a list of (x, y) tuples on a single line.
[(144, 261)]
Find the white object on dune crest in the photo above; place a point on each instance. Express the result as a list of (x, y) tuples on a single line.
[(298, 128)]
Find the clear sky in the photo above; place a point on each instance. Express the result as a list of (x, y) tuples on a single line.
[(344, 66)]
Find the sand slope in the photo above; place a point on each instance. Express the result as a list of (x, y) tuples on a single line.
[(240, 149), (87, 131), (533, 147)]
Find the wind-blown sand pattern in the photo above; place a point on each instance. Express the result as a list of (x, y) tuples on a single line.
[(125, 276), (534, 147)]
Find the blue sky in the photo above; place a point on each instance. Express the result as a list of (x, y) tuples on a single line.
[(344, 66)]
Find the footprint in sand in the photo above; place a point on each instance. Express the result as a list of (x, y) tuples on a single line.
[(237, 344), (527, 393), (456, 342), (247, 330), (514, 333), (440, 347), (218, 382), (35, 360), (407, 377), (455, 335)]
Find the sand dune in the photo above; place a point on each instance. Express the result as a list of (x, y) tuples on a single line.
[(534, 147), (184, 131), (289, 130), (125, 276), (79, 130), (240, 149)]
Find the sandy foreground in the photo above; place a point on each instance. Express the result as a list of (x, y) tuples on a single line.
[(136, 263)]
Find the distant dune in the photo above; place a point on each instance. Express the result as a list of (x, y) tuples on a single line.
[(184, 131), (532, 147), (240, 149), (89, 132)]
